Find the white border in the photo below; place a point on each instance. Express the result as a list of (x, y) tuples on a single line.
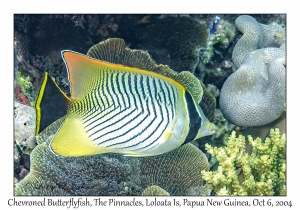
[(8, 8)]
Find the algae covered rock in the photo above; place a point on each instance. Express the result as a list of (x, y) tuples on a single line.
[(24, 132), (174, 41)]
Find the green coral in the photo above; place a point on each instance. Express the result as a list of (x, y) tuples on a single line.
[(25, 83), (178, 172), (223, 38), (223, 129), (155, 190), (263, 172)]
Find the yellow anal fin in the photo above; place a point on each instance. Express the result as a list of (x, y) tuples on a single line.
[(72, 140), (52, 104), (136, 154)]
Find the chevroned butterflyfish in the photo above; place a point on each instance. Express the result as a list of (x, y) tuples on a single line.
[(121, 102)]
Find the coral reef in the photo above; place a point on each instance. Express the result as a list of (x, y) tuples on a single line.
[(218, 41), (24, 130), (223, 129), (178, 172), (183, 43), (174, 41), (155, 191), (211, 68), (52, 175), (24, 138), (255, 36), (263, 172), (113, 174), (255, 93)]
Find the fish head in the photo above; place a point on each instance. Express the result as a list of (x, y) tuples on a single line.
[(207, 129)]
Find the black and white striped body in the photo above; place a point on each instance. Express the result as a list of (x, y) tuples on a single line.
[(136, 113), (121, 109)]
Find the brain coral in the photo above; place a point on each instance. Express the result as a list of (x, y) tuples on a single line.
[(254, 95), (54, 175), (178, 172), (255, 36)]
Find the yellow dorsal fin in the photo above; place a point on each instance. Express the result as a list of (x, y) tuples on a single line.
[(114, 50), (80, 71), (84, 72)]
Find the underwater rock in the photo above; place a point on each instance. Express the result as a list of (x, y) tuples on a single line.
[(24, 129), (17, 154), (20, 96), (174, 41), (254, 95)]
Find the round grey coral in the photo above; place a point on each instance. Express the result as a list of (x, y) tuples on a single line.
[(254, 95), (255, 36), (250, 39)]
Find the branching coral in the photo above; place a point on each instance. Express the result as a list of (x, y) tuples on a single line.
[(263, 172)]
